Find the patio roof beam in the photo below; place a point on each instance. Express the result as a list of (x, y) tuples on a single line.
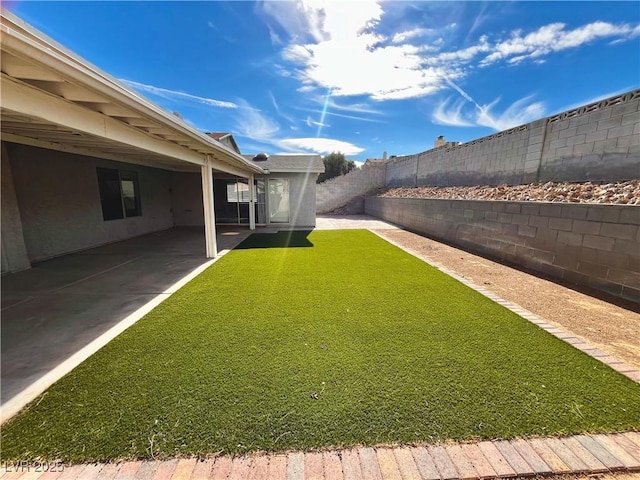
[(222, 166), (26, 100)]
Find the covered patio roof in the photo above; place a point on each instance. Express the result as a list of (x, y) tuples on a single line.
[(51, 98)]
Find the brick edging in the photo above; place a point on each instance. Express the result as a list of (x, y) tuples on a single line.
[(609, 360), (578, 454)]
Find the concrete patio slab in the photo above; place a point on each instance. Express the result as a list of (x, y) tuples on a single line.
[(59, 307)]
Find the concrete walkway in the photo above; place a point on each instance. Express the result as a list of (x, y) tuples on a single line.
[(352, 222), (581, 454)]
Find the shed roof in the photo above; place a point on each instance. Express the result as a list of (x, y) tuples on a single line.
[(307, 163)]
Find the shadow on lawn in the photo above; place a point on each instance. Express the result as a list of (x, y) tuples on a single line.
[(281, 239)]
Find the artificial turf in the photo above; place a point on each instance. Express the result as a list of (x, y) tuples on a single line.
[(330, 338)]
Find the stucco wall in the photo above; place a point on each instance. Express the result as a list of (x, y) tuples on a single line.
[(596, 142), (188, 208), (187, 198), (591, 245), (60, 206), (302, 198), (337, 191), (14, 252)]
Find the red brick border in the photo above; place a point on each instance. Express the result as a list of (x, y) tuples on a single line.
[(583, 454)]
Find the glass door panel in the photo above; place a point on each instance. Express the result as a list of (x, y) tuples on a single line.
[(242, 194), (278, 200), (225, 201), (261, 200)]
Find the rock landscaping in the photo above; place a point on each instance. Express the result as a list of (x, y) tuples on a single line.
[(613, 193)]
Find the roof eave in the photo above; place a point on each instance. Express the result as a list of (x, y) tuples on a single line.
[(55, 56)]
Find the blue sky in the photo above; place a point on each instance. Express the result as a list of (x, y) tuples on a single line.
[(359, 77)]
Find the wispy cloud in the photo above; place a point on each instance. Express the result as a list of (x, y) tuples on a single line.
[(350, 107), (280, 113), (338, 45), (450, 113), (313, 123), (402, 37), (521, 111), (468, 113), (259, 128), (177, 95), (320, 145), (477, 22), (342, 115), (253, 124)]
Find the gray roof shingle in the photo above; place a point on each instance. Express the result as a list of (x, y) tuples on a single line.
[(291, 163)]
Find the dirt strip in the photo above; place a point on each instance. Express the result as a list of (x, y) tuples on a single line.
[(611, 328)]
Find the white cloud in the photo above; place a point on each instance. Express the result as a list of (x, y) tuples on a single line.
[(177, 95), (518, 113), (313, 123), (337, 45), (402, 37), (300, 20), (320, 145), (446, 114), (468, 113), (251, 123), (275, 38), (341, 50), (554, 38), (342, 115), (349, 107)]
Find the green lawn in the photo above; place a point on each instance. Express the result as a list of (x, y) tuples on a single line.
[(339, 339)]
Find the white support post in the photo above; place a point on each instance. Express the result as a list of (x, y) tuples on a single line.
[(209, 212), (252, 204)]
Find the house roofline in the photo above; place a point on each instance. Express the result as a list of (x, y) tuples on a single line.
[(20, 38)]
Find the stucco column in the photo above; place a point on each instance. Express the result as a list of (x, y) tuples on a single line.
[(252, 204), (209, 212), (14, 250)]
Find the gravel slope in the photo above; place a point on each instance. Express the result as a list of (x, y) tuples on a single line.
[(617, 193)]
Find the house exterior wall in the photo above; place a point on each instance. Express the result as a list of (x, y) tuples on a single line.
[(60, 207), (51, 203), (302, 198), (188, 209), (14, 252), (588, 245), (187, 198)]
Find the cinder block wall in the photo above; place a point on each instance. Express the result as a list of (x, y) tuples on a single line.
[(596, 142), (589, 245), (337, 191)]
